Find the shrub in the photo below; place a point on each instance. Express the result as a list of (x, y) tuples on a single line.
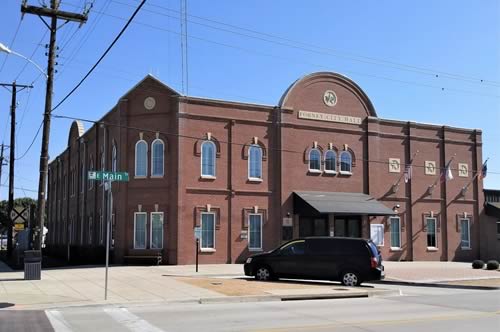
[(492, 265), (477, 264)]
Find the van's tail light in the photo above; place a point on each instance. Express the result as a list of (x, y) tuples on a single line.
[(374, 262)]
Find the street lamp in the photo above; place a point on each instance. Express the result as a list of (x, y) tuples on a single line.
[(7, 50)]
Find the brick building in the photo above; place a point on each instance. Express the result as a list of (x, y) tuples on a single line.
[(249, 177)]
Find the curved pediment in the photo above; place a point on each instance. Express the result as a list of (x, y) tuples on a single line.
[(76, 131)]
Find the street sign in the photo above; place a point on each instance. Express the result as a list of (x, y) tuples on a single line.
[(108, 176), (197, 233)]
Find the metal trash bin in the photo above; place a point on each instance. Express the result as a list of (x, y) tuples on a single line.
[(32, 264)]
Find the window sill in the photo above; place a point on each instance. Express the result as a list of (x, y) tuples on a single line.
[(330, 172), (395, 249), (345, 173), (258, 180), (156, 176), (432, 249), (208, 177), (314, 171), (207, 250), (138, 248), (466, 249), (138, 177), (255, 250)]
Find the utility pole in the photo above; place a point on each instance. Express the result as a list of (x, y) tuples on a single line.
[(1, 161), (14, 86), (54, 13)]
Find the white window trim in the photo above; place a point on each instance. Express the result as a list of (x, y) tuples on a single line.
[(145, 228), (208, 176), (201, 238), (399, 232), (331, 171), (136, 176), (383, 233), (314, 170), (163, 159), (252, 178), (249, 233), (468, 232), (349, 172), (435, 233), (151, 230)]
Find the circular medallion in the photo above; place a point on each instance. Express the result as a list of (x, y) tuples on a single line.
[(149, 103), (330, 98)]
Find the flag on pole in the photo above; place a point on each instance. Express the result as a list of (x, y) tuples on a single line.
[(408, 173), (484, 170), (446, 174)]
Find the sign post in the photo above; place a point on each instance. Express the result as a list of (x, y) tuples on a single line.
[(108, 177), (197, 235)]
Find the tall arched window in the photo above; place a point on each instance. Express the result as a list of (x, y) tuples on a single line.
[(330, 161), (157, 152), (114, 159), (314, 160), (91, 168), (208, 158), (255, 162), (141, 158), (345, 162)]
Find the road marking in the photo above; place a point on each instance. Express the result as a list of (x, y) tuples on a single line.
[(56, 319), (131, 321), (379, 322)]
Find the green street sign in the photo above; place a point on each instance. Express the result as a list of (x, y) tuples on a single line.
[(108, 176)]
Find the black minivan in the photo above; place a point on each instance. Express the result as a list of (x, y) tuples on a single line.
[(348, 260)]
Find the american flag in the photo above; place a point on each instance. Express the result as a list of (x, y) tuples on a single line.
[(446, 174), (484, 170), (408, 173)]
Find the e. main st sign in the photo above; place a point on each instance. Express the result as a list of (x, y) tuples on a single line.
[(108, 176)]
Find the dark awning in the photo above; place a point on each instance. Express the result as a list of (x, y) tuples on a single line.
[(342, 203), (493, 209)]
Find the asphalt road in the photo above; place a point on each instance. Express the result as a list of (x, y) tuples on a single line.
[(418, 309)]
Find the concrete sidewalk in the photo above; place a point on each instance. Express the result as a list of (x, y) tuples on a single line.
[(213, 283)]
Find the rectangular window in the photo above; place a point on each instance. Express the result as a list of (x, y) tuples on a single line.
[(395, 232), (465, 233), (156, 230), (377, 234), (207, 230), (255, 231), (431, 232), (140, 230)]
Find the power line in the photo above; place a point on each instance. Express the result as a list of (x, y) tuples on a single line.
[(435, 87), (322, 50), (11, 44), (102, 56), (17, 188), (32, 142), (140, 129), (32, 54)]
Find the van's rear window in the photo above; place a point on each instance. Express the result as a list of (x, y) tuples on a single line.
[(373, 249)]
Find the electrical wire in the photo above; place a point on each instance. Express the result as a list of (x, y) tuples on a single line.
[(102, 56), (140, 129), (32, 142), (11, 45), (315, 48)]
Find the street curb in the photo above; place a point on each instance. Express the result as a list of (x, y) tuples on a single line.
[(440, 284)]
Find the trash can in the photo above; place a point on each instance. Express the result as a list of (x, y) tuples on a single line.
[(32, 264)]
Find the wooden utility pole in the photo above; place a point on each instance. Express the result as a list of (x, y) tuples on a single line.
[(14, 86), (54, 13)]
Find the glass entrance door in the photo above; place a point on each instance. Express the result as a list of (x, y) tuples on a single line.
[(313, 226), (348, 226)]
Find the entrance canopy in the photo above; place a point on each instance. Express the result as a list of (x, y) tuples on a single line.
[(339, 203), (493, 209)]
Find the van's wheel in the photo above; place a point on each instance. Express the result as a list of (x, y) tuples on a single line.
[(350, 278), (263, 273)]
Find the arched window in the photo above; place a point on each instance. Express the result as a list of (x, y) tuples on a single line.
[(345, 162), (314, 160), (255, 162), (141, 158), (330, 161), (114, 159), (82, 177), (157, 152), (208, 159)]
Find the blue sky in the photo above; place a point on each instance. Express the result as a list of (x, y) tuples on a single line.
[(417, 60)]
